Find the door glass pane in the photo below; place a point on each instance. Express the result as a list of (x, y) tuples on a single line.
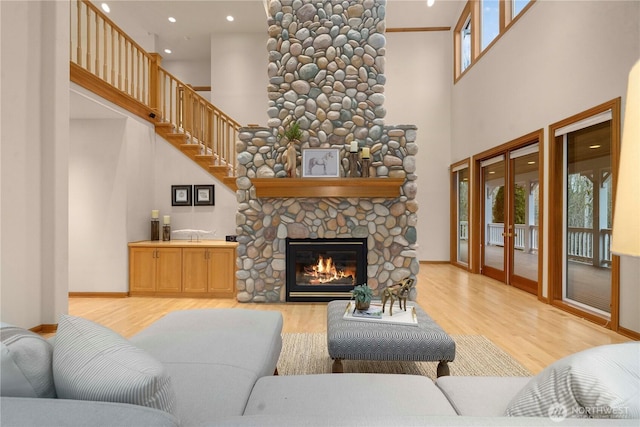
[(494, 214), (463, 215), (588, 214), (525, 221), (490, 24)]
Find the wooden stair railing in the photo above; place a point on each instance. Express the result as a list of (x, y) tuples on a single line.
[(109, 63)]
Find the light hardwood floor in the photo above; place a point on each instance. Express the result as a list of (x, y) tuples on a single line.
[(534, 333)]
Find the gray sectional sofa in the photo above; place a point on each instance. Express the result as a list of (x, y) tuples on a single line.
[(215, 368)]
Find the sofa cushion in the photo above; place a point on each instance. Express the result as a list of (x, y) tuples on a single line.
[(343, 394), (601, 382), (214, 357), (480, 396), (26, 363), (91, 362)]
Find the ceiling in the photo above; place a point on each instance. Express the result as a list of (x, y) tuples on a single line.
[(189, 37)]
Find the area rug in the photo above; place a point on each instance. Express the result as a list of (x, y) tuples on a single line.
[(304, 354)]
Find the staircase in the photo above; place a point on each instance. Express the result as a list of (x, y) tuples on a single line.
[(195, 151), (106, 61)]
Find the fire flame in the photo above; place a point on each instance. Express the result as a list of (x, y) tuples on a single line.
[(325, 271)]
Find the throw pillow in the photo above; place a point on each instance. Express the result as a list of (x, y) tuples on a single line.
[(92, 362), (601, 382), (26, 363)]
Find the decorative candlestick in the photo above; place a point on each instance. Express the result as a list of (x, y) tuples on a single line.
[(155, 225), (365, 168), (353, 165), (166, 229), (365, 162)]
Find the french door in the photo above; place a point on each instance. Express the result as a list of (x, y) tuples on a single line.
[(510, 213)]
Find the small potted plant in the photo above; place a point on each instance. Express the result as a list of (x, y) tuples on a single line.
[(362, 295)]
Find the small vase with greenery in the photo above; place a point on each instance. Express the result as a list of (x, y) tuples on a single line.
[(293, 133), (362, 295)]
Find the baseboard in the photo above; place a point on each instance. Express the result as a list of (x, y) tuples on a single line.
[(98, 294), (629, 333), (45, 329), (434, 262)]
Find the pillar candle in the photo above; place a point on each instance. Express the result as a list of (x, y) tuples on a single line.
[(365, 152), (167, 219), (155, 213), (354, 147)]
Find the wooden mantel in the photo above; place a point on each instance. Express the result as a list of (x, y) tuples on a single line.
[(328, 187)]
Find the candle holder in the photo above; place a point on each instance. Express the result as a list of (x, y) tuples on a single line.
[(155, 229), (365, 167), (353, 165), (166, 232)]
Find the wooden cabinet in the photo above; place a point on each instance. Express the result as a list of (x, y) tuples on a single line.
[(208, 270), (182, 268)]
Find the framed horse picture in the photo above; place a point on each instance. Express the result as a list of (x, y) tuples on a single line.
[(321, 163)]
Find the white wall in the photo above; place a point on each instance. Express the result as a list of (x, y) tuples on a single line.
[(418, 92), (194, 73), (119, 171), (34, 143), (97, 205), (561, 58), (174, 168), (239, 76)]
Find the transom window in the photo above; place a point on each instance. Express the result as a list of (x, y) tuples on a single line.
[(481, 24)]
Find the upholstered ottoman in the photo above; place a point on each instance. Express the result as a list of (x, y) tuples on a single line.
[(360, 340)]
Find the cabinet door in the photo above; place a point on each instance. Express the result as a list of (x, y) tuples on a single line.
[(169, 274), (142, 269), (195, 269), (222, 272)]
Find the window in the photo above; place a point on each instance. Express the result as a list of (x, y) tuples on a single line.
[(517, 7), (490, 21), (465, 51), (481, 23)]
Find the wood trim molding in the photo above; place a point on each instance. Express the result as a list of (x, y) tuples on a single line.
[(416, 29), (629, 333), (82, 77), (98, 294), (433, 262), (45, 328)]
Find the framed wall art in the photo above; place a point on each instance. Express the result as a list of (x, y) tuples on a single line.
[(203, 195), (321, 163), (180, 195)]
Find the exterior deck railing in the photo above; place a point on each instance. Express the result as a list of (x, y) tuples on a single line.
[(580, 242), (102, 49)]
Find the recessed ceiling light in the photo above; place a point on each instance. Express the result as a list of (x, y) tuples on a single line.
[(172, 19), (430, 2), (167, 51), (594, 146), (230, 18), (105, 7)]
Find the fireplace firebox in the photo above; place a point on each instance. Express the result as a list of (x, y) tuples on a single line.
[(324, 269)]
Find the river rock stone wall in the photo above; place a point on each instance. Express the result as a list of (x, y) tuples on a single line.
[(326, 72)]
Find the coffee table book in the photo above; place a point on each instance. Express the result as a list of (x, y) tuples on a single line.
[(374, 314)]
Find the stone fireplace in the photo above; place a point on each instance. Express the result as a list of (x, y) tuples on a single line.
[(326, 72)]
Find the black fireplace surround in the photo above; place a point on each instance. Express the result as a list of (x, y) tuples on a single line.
[(324, 269)]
